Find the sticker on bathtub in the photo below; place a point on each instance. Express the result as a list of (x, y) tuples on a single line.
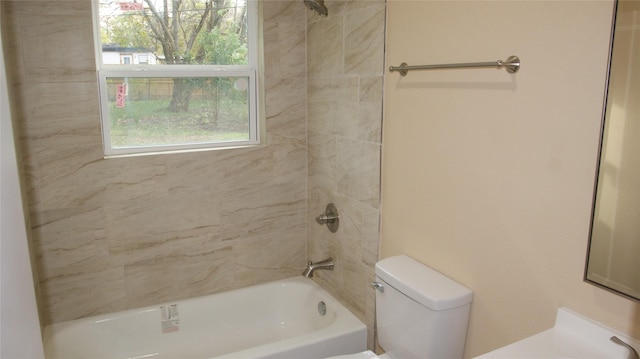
[(170, 318)]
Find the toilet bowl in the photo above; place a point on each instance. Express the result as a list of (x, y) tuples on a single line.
[(420, 312)]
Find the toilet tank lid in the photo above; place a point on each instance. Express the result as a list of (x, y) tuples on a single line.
[(423, 284)]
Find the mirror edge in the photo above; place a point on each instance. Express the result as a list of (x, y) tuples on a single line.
[(599, 158)]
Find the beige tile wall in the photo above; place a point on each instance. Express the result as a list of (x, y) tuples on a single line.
[(120, 233), (345, 54)]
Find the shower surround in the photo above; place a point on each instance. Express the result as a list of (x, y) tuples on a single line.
[(345, 67), (113, 234)]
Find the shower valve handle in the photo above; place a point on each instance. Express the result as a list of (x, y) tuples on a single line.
[(326, 218), (330, 217)]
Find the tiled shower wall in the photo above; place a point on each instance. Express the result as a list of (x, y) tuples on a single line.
[(345, 55), (111, 234)]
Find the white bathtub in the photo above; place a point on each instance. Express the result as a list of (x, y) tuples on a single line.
[(273, 320)]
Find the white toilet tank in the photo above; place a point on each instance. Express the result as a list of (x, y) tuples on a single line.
[(421, 313)]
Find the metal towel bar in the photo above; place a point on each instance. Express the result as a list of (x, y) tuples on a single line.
[(512, 65)]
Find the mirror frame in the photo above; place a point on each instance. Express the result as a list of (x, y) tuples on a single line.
[(599, 163)]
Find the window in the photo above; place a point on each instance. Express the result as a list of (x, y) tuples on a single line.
[(143, 59), (177, 78)]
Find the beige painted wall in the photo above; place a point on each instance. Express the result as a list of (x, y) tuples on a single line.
[(488, 177)]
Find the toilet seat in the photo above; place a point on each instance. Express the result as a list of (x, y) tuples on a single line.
[(362, 355)]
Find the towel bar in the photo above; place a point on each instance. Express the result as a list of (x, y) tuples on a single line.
[(512, 65)]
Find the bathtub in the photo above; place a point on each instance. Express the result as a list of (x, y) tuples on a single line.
[(281, 319)]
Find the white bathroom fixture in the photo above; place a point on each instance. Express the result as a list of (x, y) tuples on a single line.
[(289, 318), (420, 312), (572, 337)]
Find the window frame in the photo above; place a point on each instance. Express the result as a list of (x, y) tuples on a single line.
[(249, 71)]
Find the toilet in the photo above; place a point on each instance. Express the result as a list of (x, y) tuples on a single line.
[(420, 313)]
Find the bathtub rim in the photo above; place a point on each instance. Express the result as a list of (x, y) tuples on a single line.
[(346, 326)]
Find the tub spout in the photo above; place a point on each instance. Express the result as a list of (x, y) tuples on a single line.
[(311, 267)]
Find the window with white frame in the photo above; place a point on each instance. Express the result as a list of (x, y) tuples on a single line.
[(190, 77)]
